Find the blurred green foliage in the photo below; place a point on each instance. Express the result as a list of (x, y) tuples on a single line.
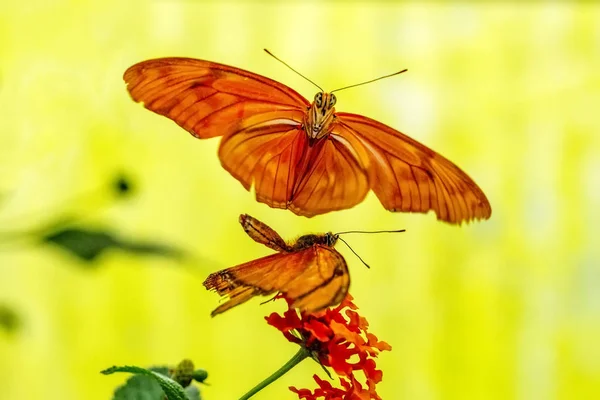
[(87, 244), (10, 321)]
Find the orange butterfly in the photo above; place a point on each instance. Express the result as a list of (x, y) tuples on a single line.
[(309, 271), (300, 155)]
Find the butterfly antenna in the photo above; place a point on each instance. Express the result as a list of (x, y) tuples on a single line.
[(372, 80), (287, 65), (355, 253), (395, 231)]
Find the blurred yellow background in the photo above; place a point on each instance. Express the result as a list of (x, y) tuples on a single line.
[(503, 309)]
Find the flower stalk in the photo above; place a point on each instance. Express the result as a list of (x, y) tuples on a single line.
[(295, 360)]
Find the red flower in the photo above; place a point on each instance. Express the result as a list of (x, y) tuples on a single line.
[(333, 337)]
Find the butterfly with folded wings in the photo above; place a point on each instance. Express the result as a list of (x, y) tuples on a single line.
[(308, 271)]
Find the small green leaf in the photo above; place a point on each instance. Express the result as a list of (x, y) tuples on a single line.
[(142, 388)]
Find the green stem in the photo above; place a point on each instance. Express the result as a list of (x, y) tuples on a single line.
[(299, 356)]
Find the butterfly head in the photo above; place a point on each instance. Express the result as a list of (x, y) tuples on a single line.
[(320, 115), (331, 239)]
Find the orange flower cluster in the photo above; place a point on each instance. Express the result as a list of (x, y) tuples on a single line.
[(334, 337)]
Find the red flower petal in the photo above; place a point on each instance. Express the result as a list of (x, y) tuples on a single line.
[(342, 331), (319, 330), (372, 374), (337, 358), (303, 393), (373, 342), (284, 323), (356, 323)]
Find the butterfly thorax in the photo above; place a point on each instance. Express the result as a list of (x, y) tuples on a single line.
[(306, 241), (317, 122)]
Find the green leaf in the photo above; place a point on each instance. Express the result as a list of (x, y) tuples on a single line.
[(84, 244), (88, 244), (140, 387), (150, 248), (148, 385)]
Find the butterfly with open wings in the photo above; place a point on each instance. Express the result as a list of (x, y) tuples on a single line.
[(303, 156)]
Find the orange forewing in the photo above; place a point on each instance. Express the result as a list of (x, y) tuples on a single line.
[(309, 272), (265, 144)]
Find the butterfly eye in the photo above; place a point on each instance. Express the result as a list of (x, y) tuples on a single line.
[(332, 100), (319, 99), (331, 239)]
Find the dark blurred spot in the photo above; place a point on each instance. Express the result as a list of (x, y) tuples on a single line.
[(123, 185), (89, 244), (9, 320)]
